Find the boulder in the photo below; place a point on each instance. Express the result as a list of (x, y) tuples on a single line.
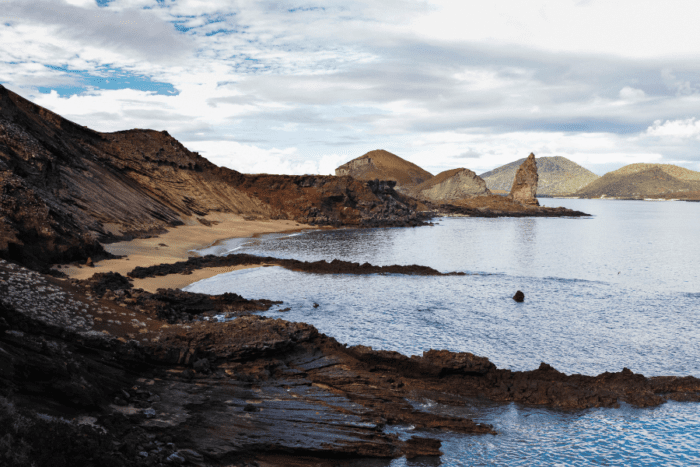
[(524, 187)]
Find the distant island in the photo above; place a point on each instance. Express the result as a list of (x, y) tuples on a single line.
[(645, 181), (558, 176)]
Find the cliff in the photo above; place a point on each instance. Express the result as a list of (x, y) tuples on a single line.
[(66, 189)]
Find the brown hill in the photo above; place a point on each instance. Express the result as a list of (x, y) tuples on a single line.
[(383, 165), (451, 185), (67, 188), (557, 176), (639, 181)]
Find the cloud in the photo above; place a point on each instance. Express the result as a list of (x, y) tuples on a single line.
[(284, 86), (133, 33), (631, 94), (688, 128)]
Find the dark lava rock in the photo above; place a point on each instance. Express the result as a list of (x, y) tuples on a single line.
[(317, 267), (101, 282), (519, 296)]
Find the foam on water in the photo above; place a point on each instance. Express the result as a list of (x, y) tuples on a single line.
[(619, 290)]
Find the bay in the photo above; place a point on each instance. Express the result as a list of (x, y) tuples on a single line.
[(619, 289)]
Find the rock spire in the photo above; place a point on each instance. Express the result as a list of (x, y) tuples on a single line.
[(525, 184)]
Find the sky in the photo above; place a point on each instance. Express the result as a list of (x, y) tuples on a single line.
[(302, 86)]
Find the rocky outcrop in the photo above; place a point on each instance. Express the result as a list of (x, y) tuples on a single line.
[(383, 165), (498, 206), (524, 187), (329, 200), (451, 185), (316, 267), (251, 389)]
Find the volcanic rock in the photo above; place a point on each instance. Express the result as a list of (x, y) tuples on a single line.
[(524, 187), (383, 165), (275, 390), (451, 185)]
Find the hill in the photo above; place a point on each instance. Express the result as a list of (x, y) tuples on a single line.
[(639, 181), (557, 176), (383, 165), (451, 185), (67, 189)]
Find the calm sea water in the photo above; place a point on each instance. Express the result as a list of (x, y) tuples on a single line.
[(620, 289)]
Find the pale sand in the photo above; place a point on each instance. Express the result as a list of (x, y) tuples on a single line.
[(180, 242)]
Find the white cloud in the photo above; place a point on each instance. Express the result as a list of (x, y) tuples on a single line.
[(262, 88), (688, 128)]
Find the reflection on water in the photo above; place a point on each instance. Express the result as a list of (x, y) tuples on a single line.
[(619, 289)]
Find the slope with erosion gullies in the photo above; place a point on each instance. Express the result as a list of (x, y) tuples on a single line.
[(383, 165), (557, 176), (451, 185), (639, 181), (66, 187)]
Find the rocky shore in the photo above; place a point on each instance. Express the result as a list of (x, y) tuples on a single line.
[(128, 382)]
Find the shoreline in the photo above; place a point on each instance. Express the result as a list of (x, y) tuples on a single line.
[(178, 244)]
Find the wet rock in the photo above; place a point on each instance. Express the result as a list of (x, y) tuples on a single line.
[(201, 366), (457, 362), (524, 187), (519, 296), (418, 446), (182, 299)]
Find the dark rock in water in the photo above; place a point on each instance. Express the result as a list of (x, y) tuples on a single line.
[(524, 187), (519, 296), (317, 267)]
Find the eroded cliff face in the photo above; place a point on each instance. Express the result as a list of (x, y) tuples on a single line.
[(524, 187), (66, 187)]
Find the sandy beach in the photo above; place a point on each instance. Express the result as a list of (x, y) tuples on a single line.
[(177, 245)]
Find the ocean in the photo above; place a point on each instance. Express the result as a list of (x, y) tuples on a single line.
[(618, 289)]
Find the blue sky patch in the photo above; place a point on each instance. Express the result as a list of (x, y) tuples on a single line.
[(110, 78)]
